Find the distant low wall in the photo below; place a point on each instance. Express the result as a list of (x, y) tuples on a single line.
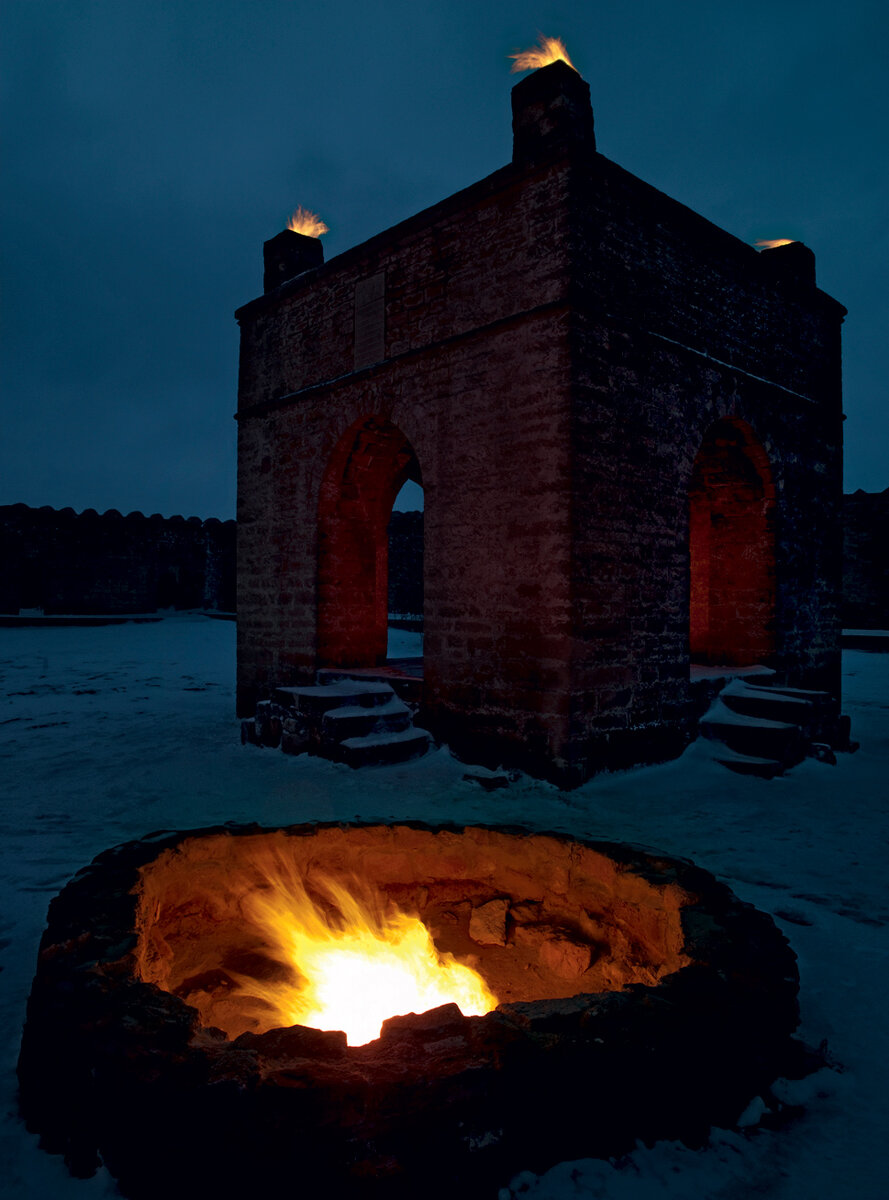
[(61, 561), (406, 563), (67, 562), (866, 560)]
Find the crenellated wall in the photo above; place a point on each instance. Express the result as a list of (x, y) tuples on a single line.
[(866, 560), (61, 561)]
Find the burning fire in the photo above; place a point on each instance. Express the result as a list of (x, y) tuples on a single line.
[(550, 50), (764, 244), (358, 960), (307, 222)]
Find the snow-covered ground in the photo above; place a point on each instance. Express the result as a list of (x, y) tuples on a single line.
[(108, 733)]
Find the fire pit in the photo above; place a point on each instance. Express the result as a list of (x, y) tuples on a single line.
[(179, 1028)]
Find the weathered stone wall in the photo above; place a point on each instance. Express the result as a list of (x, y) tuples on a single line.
[(555, 343), (866, 560), (469, 294), (678, 326), (65, 562)]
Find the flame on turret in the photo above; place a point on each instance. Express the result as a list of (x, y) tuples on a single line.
[(550, 50), (307, 223), (765, 244)]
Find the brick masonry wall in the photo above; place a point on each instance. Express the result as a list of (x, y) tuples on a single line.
[(555, 343), (677, 325), (475, 290), (866, 560), (65, 562)]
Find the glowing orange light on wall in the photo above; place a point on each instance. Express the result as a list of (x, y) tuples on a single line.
[(765, 244)]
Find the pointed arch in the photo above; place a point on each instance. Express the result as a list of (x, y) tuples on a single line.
[(732, 548), (365, 473)]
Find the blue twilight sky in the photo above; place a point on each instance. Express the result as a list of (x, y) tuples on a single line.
[(150, 147)]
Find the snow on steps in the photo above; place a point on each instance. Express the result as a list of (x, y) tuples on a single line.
[(318, 698), (403, 675), (349, 721), (361, 723), (743, 764), (377, 749), (758, 737), (767, 729), (797, 708)]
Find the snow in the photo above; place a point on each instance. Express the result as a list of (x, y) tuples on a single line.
[(404, 643), (392, 708), (700, 671), (722, 753), (346, 687), (737, 687), (720, 714), (109, 733), (386, 738)]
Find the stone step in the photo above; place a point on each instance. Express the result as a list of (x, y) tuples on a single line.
[(316, 699), (802, 693), (758, 737), (823, 724), (351, 721), (824, 703), (767, 702), (381, 749), (404, 676), (362, 723), (748, 764)]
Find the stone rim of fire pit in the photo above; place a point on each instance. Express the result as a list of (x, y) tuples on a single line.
[(114, 1068)]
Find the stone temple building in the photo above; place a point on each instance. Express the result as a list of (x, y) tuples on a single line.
[(627, 426)]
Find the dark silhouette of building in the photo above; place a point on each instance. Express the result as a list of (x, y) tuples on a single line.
[(406, 564), (866, 560)]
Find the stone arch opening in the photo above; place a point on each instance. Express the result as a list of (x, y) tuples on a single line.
[(731, 549), (366, 471)]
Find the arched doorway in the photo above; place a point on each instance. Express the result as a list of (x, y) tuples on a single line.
[(366, 471), (731, 549)]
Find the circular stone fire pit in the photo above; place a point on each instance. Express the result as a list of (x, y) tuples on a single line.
[(638, 999)]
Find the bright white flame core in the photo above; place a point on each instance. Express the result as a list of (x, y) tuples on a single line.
[(357, 989), (358, 962)]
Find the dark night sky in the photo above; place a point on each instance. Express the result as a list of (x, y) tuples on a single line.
[(150, 147)]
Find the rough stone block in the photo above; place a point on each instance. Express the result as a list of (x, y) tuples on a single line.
[(487, 923)]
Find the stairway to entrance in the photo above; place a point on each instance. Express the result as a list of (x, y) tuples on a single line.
[(357, 722), (765, 729)]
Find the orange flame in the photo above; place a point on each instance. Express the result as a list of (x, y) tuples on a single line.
[(307, 222), (357, 960), (764, 244), (551, 50)]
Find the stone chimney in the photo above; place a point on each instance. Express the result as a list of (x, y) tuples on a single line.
[(287, 255), (551, 110), (794, 262)]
